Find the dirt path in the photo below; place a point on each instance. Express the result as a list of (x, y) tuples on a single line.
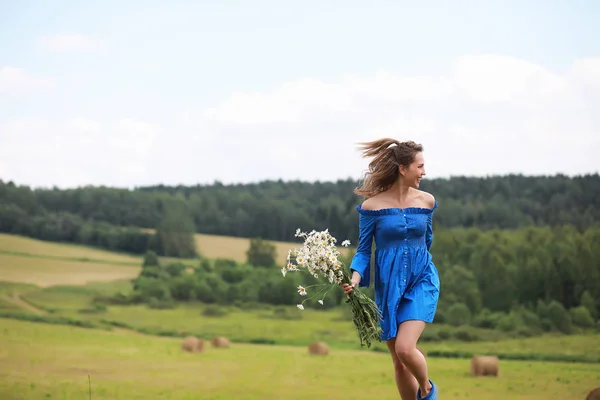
[(18, 301)]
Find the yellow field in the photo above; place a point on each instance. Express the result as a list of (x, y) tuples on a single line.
[(46, 361), (20, 244), (210, 246), (47, 272), (213, 246)]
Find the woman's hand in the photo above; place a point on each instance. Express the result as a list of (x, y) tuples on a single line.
[(354, 281)]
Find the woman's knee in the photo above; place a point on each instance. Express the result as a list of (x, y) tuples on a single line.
[(404, 350)]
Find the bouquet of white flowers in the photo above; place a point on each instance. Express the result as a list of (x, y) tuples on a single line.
[(320, 257)]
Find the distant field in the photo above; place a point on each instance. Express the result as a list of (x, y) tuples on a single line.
[(46, 272), (210, 246), (213, 246), (23, 245), (124, 366)]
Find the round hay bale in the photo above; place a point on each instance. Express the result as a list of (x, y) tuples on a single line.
[(220, 342), (594, 394), (484, 365), (192, 344), (318, 348)]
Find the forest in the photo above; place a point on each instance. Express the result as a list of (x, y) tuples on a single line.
[(273, 210)]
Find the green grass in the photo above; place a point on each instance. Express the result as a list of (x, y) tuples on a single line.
[(65, 298), (562, 346), (45, 361), (210, 246), (24, 246), (48, 272), (261, 326)]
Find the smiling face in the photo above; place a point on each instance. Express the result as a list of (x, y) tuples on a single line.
[(411, 175)]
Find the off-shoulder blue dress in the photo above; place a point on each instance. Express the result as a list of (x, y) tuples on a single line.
[(407, 284)]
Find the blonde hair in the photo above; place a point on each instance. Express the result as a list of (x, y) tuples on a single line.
[(388, 155)]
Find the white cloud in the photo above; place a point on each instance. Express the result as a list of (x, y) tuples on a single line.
[(487, 115), (73, 42), (504, 80), (76, 152), (15, 80)]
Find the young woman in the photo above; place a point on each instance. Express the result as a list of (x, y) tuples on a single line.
[(399, 217)]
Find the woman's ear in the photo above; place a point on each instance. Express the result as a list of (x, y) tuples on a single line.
[(401, 170)]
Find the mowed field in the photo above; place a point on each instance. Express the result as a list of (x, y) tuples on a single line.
[(210, 246), (44, 361)]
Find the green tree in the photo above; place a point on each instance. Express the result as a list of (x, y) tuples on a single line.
[(176, 232), (261, 253), (587, 301), (460, 286), (458, 314), (150, 259)]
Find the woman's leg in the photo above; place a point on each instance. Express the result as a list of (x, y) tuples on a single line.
[(406, 350), (405, 381)]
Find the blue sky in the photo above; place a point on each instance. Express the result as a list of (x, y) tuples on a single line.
[(133, 93)]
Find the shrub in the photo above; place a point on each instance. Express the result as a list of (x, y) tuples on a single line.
[(286, 313), (487, 319), (458, 314), (150, 259), (560, 317), (581, 316), (430, 335), (444, 334), (465, 334), (213, 310), (161, 304)]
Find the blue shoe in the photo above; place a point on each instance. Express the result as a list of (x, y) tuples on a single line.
[(432, 393)]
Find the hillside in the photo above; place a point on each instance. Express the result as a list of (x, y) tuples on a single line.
[(211, 246)]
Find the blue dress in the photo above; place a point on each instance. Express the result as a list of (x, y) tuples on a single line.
[(407, 284)]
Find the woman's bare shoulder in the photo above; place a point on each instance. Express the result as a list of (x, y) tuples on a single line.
[(427, 198), (373, 203)]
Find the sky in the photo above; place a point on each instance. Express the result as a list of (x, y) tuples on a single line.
[(134, 93)]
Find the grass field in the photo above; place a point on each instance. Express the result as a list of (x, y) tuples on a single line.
[(54, 281), (44, 361), (19, 245), (210, 246), (47, 272), (264, 325)]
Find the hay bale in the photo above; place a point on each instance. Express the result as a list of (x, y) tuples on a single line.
[(318, 348), (484, 365), (594, 394), (192, 344), (220, 342)]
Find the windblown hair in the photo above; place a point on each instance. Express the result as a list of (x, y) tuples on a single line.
[(388, 155)]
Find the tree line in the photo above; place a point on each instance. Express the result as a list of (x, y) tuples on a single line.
[(273, 210)]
